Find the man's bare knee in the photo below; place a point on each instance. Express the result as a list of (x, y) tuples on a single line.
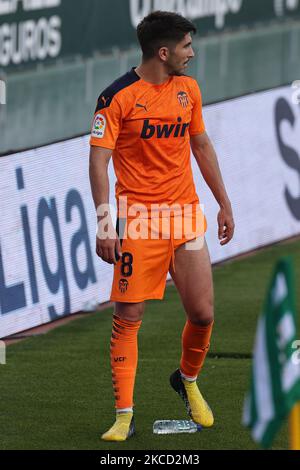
[(130, 311), (202, 314)]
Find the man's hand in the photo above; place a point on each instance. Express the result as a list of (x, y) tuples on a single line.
[(109, 249), (226, 225), (107, 242)]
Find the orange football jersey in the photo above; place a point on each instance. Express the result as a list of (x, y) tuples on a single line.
[(148, 128)]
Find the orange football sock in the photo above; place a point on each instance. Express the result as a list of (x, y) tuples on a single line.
[(123, 359), (195, 345)]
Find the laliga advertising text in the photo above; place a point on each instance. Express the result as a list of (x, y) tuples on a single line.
[(37, 224)]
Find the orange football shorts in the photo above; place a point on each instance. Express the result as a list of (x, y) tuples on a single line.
[(148, 247)]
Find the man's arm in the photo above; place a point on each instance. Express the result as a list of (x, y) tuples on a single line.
[(106, 248), (208, 164)]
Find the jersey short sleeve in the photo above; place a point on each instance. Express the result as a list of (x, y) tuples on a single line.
[(197, 125), (107, 123)]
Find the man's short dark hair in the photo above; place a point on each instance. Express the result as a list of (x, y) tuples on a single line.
[(162, 28)]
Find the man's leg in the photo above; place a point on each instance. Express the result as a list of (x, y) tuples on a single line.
[(193, 279), (124, 357)]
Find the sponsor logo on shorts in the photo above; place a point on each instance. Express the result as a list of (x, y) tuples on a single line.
[(99, 126), (183, 98), (123, 285)]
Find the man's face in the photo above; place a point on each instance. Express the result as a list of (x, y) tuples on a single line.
[(180, 56)]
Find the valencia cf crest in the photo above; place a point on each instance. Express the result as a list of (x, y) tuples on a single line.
[(123, 284), (183, 98)]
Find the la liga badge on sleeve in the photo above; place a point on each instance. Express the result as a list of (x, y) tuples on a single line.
[(99, 126)]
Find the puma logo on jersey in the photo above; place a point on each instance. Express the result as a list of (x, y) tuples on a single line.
[(165, 130), (138, 105)]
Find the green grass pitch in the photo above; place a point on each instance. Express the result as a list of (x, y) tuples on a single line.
[(56, 390)]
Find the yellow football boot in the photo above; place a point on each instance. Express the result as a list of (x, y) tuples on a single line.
[(197, 408), (122, 429)]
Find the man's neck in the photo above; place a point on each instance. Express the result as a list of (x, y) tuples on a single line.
[(152, 72)]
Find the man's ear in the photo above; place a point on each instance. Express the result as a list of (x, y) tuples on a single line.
[(164, 53)]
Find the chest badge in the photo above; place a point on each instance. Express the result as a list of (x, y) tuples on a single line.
[(183, 98)]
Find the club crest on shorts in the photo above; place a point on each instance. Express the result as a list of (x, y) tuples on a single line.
[(183, 98), (123, 284)]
